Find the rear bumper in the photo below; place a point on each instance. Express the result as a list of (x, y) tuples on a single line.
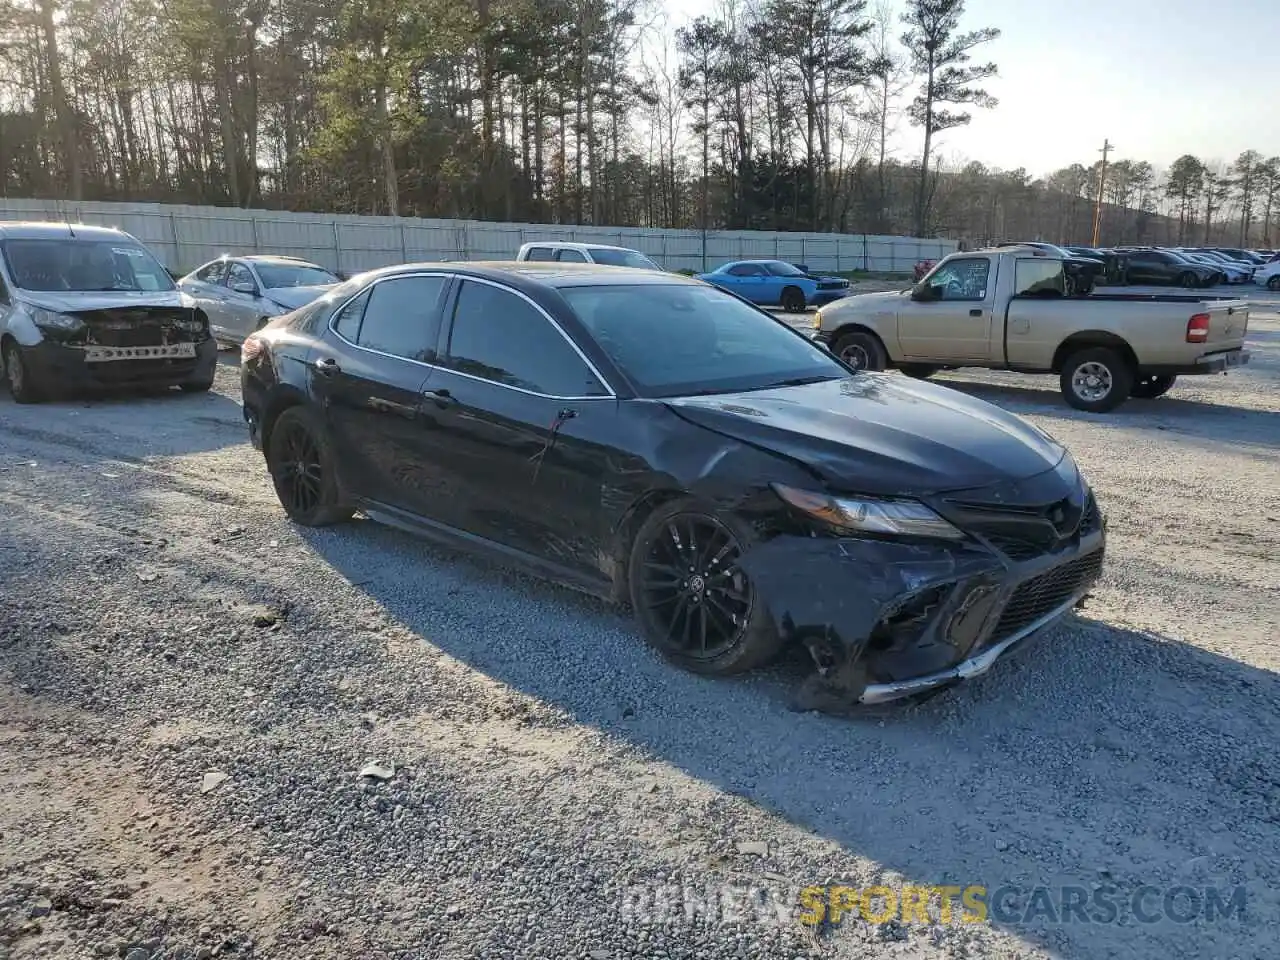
[(1209, 363), (64, 366)]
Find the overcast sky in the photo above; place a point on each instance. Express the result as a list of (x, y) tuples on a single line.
[(1159, 78)]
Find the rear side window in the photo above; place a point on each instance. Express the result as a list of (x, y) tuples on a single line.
[(499, 336), (541, 253), (571, 256), (402, 317), (347, 320)]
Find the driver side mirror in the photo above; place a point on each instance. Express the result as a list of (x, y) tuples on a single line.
[(244, 286), (927, 293)]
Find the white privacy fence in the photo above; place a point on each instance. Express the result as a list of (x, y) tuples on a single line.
[(183, 237)]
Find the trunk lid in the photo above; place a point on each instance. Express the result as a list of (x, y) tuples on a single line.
[(1228, 324)]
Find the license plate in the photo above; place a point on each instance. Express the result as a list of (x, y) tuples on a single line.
[(170, 352), (1237, 359)]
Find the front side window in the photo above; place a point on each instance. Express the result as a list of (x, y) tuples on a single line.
[(780, 269), (83, 265), (744, 270), (674, 340), (278, 276), (541, 254), (1039, 278), (962, 279), (240, 277), (498, 335), (402, 317), (214, 272)]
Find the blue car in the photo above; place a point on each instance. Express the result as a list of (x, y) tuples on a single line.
[(773, 283)]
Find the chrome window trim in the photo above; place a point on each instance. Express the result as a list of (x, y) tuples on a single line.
[(612, 395)]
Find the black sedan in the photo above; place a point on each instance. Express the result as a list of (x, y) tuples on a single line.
[(652, 439)]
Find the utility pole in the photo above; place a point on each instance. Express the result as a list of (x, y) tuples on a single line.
[(1107, 147)]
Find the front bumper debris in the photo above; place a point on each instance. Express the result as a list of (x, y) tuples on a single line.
[(73, 366)]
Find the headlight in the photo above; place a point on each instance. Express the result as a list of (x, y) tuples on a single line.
[(817, 319), (48, 320), (893, 518)]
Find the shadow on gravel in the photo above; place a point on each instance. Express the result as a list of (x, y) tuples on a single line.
[(1211, 421), (129, 424), (1094, 757)]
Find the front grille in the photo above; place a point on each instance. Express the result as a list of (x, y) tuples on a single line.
[(1040, 595), (136, 327), (1025, 535), (832, 284)]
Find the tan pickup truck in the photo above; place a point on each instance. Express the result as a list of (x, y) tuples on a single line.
[(1008, 309)]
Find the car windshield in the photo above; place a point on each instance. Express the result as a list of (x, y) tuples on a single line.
[(622, 258), (780, 269), (78, 265), (677, 340), (277, 275)]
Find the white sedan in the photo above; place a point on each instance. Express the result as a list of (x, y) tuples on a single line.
[(240, 294)]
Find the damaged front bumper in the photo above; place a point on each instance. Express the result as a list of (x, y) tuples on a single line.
[(885, 620)]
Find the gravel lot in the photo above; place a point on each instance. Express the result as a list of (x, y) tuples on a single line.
[(190, 688)]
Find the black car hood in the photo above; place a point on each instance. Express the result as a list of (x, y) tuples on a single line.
[(881, 434)]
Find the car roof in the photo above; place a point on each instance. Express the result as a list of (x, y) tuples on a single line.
[(542, 273), (275, 258), (576, 245), (55, 230)]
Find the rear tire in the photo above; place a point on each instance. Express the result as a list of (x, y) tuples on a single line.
[(1273, 283), (861, 350), (1188, 281), (722, 627), (1151, 386), (22, 386), (1096, 379), (303, 466), (793, 300)]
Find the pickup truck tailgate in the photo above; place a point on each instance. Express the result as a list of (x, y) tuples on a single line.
[(1228, 323)]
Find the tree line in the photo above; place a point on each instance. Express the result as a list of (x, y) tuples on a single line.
[(768, 114)]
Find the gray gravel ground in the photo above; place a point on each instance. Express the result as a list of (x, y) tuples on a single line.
[(190, 688)]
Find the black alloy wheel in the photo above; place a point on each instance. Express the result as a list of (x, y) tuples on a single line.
[(793, 300), (301, 464), (693, 601)]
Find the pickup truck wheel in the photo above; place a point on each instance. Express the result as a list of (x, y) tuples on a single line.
[(861, 350), (919, 371), (1096, 379), (793, 300), (1151, 386)]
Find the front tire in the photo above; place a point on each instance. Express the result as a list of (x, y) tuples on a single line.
[(692, 601), (23, 387), (918, 371), (1151, 386), (862, 350), (1273, 283), (793, 300), (303, 467), (1096, 379), (1188, 281)]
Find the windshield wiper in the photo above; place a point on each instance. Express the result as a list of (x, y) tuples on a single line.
[(797, 381), (114, 286)]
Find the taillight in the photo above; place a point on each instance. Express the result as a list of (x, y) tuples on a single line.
[(1198, 328), (252, 348)]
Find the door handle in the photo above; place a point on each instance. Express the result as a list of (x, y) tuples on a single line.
[(975, 313), (327, 366), (442, 398)]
